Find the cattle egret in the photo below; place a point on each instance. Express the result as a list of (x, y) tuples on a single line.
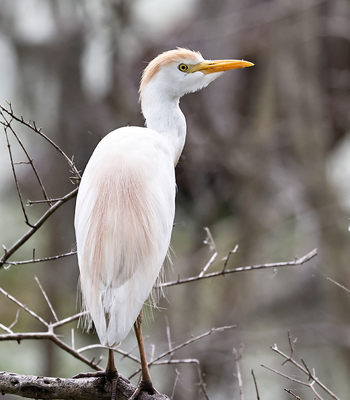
[(126, 202)]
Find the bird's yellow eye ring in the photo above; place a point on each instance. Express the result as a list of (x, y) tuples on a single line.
[(183, 67)]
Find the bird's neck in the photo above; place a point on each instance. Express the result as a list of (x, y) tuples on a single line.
[(165, 117)]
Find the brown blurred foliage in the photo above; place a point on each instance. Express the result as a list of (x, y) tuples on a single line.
[(255, 170)]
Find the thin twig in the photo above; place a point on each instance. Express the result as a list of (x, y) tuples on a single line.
[(209, 240), (194, 339), (5, 328), (50, 335), (184, 344), (291, 346), (68, 320), (55, 339), (201, 382), (212, 247), (38, 260), (128, 353), (24, 307), (311, 376), (34, 128), (31, 202), (228, 257), (72, 338), (15, 321), (209, 263), (256, 385), (238, 357), (16, 180), (46, 298), (175, 383), (291, 393), (30, 160), (338, 284), (8, 252), (168, 334), (299, 261)]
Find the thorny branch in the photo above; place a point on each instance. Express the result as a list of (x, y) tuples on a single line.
[(312, 380), (52, 336)]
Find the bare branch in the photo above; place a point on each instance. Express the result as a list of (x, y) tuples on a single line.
[(30, 160), (18, 337), (286, 376), (5, 328), (311, 376), (34, 128), (8, 252), (299, 261), (16, 180), (39, 387), (49, 335), (184, 344), (291, 346), (68, 320), (31, 202), (194, 339), (38, 260)]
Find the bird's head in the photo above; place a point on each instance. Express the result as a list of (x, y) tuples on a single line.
[(177, 72)]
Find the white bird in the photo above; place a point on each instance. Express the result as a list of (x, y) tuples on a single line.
[(126, 201)]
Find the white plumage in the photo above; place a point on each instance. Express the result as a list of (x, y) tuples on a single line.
[(126, 212), (126, 200)]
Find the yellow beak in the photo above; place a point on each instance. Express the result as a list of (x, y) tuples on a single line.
[(211, 66)]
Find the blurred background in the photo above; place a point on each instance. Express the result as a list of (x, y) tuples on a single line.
[(266, 167)]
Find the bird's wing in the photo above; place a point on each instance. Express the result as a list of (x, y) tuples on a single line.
[(124, 217)]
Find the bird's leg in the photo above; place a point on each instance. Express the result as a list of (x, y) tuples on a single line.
[(146, 381), (110, 372), (111, 369)]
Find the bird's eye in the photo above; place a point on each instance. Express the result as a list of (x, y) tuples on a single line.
[(183, 67)]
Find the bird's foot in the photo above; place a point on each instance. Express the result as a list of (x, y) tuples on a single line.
[(144, 386), (110, 375)]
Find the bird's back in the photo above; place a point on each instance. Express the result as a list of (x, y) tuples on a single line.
[(124, 217)]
